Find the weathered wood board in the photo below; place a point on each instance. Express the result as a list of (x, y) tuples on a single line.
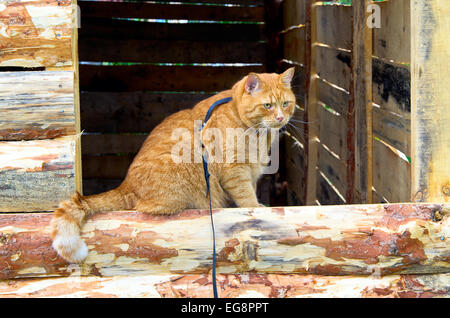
[(333, 65), (251, 285), (391, 173), (36, 105), (392, 40), (161, 78), (145, 30), (430, 99), (36, 33), (327, 240), (36, 175), (185, 11), (159, 51), (334, 25), (128, 112)]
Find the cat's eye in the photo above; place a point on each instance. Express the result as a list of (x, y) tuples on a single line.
[(285, 104), (267, 105)]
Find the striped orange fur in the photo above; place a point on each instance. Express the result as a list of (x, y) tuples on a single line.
[(156, 184)]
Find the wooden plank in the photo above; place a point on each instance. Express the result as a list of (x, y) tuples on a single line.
[(111, 143), (334, 26), (294, 43), (231, 286), (36, 175), (294, 13), (326, 195), (161, 78), (335, 98), (131, 111), (391, 174), (311, 69), (393, 39), (36, 105), (171, 11), (333, 240), (392, 87), (126, 29), (430, 100), (296, 168), (227, 2), (76, 97), (333, 65), (334, 169), (157, 51), (393, 129), (36, 34), (298, 84), (333, 131), (107, 166), (359, 132)]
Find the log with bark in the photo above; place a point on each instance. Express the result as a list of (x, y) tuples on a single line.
[(249, 285), (325, 240)]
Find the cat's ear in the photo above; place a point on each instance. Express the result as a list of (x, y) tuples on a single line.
[(253, 83), (286, 77)]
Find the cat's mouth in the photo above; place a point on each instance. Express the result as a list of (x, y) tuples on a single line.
[(275, 124)]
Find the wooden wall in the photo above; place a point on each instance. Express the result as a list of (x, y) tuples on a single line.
[(38, 104), (141, 62), (354, 87)]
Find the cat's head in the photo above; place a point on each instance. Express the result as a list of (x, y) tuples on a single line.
[(266, 100)]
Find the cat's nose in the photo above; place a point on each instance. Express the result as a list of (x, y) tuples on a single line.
[(280, 118)]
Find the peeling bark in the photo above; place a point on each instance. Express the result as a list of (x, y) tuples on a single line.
[(325, 240), (232, 286)]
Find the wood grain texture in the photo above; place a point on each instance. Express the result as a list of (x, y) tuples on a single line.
[(249, 285), (392, 86), (392, 40), (126, 112), (296, 161), (36, 34), (171, 11), (334, 169), (391, 173), (360, 131), (294, 13), (36, 105), (36, 175), (334, 26), (430, 100), (160, 51), (161, 78), (126, 29), (332, 131), (332, 240), (333, 65), (294, 43)]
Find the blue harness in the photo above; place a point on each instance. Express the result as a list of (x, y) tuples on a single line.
[(208, 190)]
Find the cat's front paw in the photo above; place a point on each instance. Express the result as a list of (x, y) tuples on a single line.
[(71, 248)]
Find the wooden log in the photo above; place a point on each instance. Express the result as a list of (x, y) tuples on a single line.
[(171, 11), (325, 240), (36, 33), (231, 286), (162, 78), (430, 99), (36, 175), (36, 105)]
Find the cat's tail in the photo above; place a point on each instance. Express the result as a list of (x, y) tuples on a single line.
[(69, 218)]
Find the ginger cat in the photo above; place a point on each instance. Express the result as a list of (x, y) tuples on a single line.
[(158, 185)]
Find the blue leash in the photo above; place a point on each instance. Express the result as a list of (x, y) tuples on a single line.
[(208, 191)]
